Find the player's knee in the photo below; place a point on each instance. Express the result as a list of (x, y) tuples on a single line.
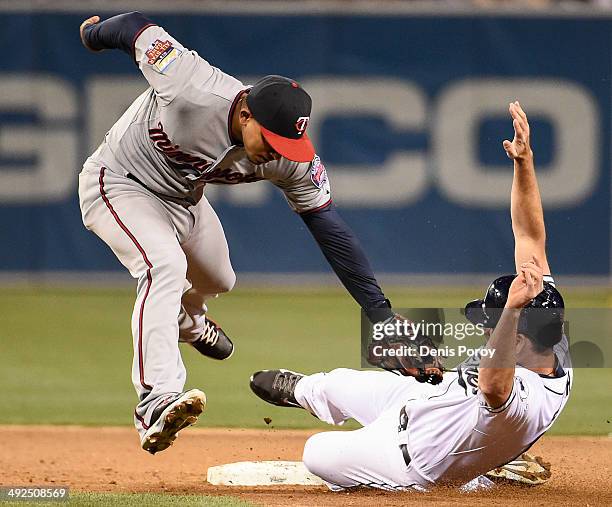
[(207, 284), (313, 454), (172, 269), (323, 458), (223, 282), (227, 281)]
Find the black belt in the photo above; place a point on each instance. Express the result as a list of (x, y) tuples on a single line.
[(403, 426), (183, 201), (404, 449)]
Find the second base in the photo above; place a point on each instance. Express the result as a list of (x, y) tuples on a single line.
[(262, 473)]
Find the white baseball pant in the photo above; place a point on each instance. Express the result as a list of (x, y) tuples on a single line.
[(180, 258), (369, 456)]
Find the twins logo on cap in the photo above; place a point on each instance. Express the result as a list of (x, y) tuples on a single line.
[(302, 124)]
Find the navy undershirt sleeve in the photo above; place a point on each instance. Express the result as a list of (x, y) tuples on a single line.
[(118, 32), (345, 255)]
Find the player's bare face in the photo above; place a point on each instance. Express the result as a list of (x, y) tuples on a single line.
[(257, 148)]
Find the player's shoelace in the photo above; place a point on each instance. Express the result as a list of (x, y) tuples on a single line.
[(210, 336), (285, 382)]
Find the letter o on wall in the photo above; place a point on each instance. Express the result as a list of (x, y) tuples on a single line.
[(574, 170)]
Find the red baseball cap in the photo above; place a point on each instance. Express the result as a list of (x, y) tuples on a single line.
[(282, 108)]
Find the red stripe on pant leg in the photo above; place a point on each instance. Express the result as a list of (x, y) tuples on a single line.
[(142, 421), (149, 278)]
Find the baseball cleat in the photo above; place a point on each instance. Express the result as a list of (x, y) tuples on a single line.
[(526, 469), (214, 342), (276, 387), (172, 418)]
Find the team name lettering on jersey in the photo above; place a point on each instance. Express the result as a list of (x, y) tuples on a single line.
[(219, 175), (183, 160), (162, 143)]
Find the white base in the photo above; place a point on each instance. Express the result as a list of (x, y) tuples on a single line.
[(262, 473)]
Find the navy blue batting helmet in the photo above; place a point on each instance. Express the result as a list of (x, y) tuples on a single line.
[(541, 319)]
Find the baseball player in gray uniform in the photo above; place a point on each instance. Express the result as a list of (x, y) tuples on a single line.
[(479, 417), (142, 192)]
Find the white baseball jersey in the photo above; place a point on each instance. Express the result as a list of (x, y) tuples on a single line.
[(454, 436), (450, 433), (176, 136), (475, 437)]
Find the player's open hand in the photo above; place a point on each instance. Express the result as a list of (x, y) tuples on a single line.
[(520, 147), (89, 21), (527, 285)]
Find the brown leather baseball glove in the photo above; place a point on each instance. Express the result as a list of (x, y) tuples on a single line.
[(403, 351)]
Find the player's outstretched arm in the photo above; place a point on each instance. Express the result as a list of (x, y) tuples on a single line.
[(345, 255), (526, 204), (164, 62), (118, 32), (496, 374)]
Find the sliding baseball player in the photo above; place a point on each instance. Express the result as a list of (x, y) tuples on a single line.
[(476, 419)]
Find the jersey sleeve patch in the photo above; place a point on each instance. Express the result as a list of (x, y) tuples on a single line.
[(318, 174), (161, 54)]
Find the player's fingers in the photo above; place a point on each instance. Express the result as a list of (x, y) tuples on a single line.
[(523, 117), (515, 114), (533, 275), (536, 285), (512, 109), (529, 280), (89, 21), (534, 268), (520, 111), (509, 147), (518, 129), (530, 269), (530, 264)]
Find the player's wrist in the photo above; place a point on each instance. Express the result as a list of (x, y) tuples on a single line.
[(526, 157), (514, 306), (380, 313)]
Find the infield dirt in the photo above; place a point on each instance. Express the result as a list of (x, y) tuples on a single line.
[(110, 460)]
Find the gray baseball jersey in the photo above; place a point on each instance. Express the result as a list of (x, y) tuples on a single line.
[(176, 136)]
